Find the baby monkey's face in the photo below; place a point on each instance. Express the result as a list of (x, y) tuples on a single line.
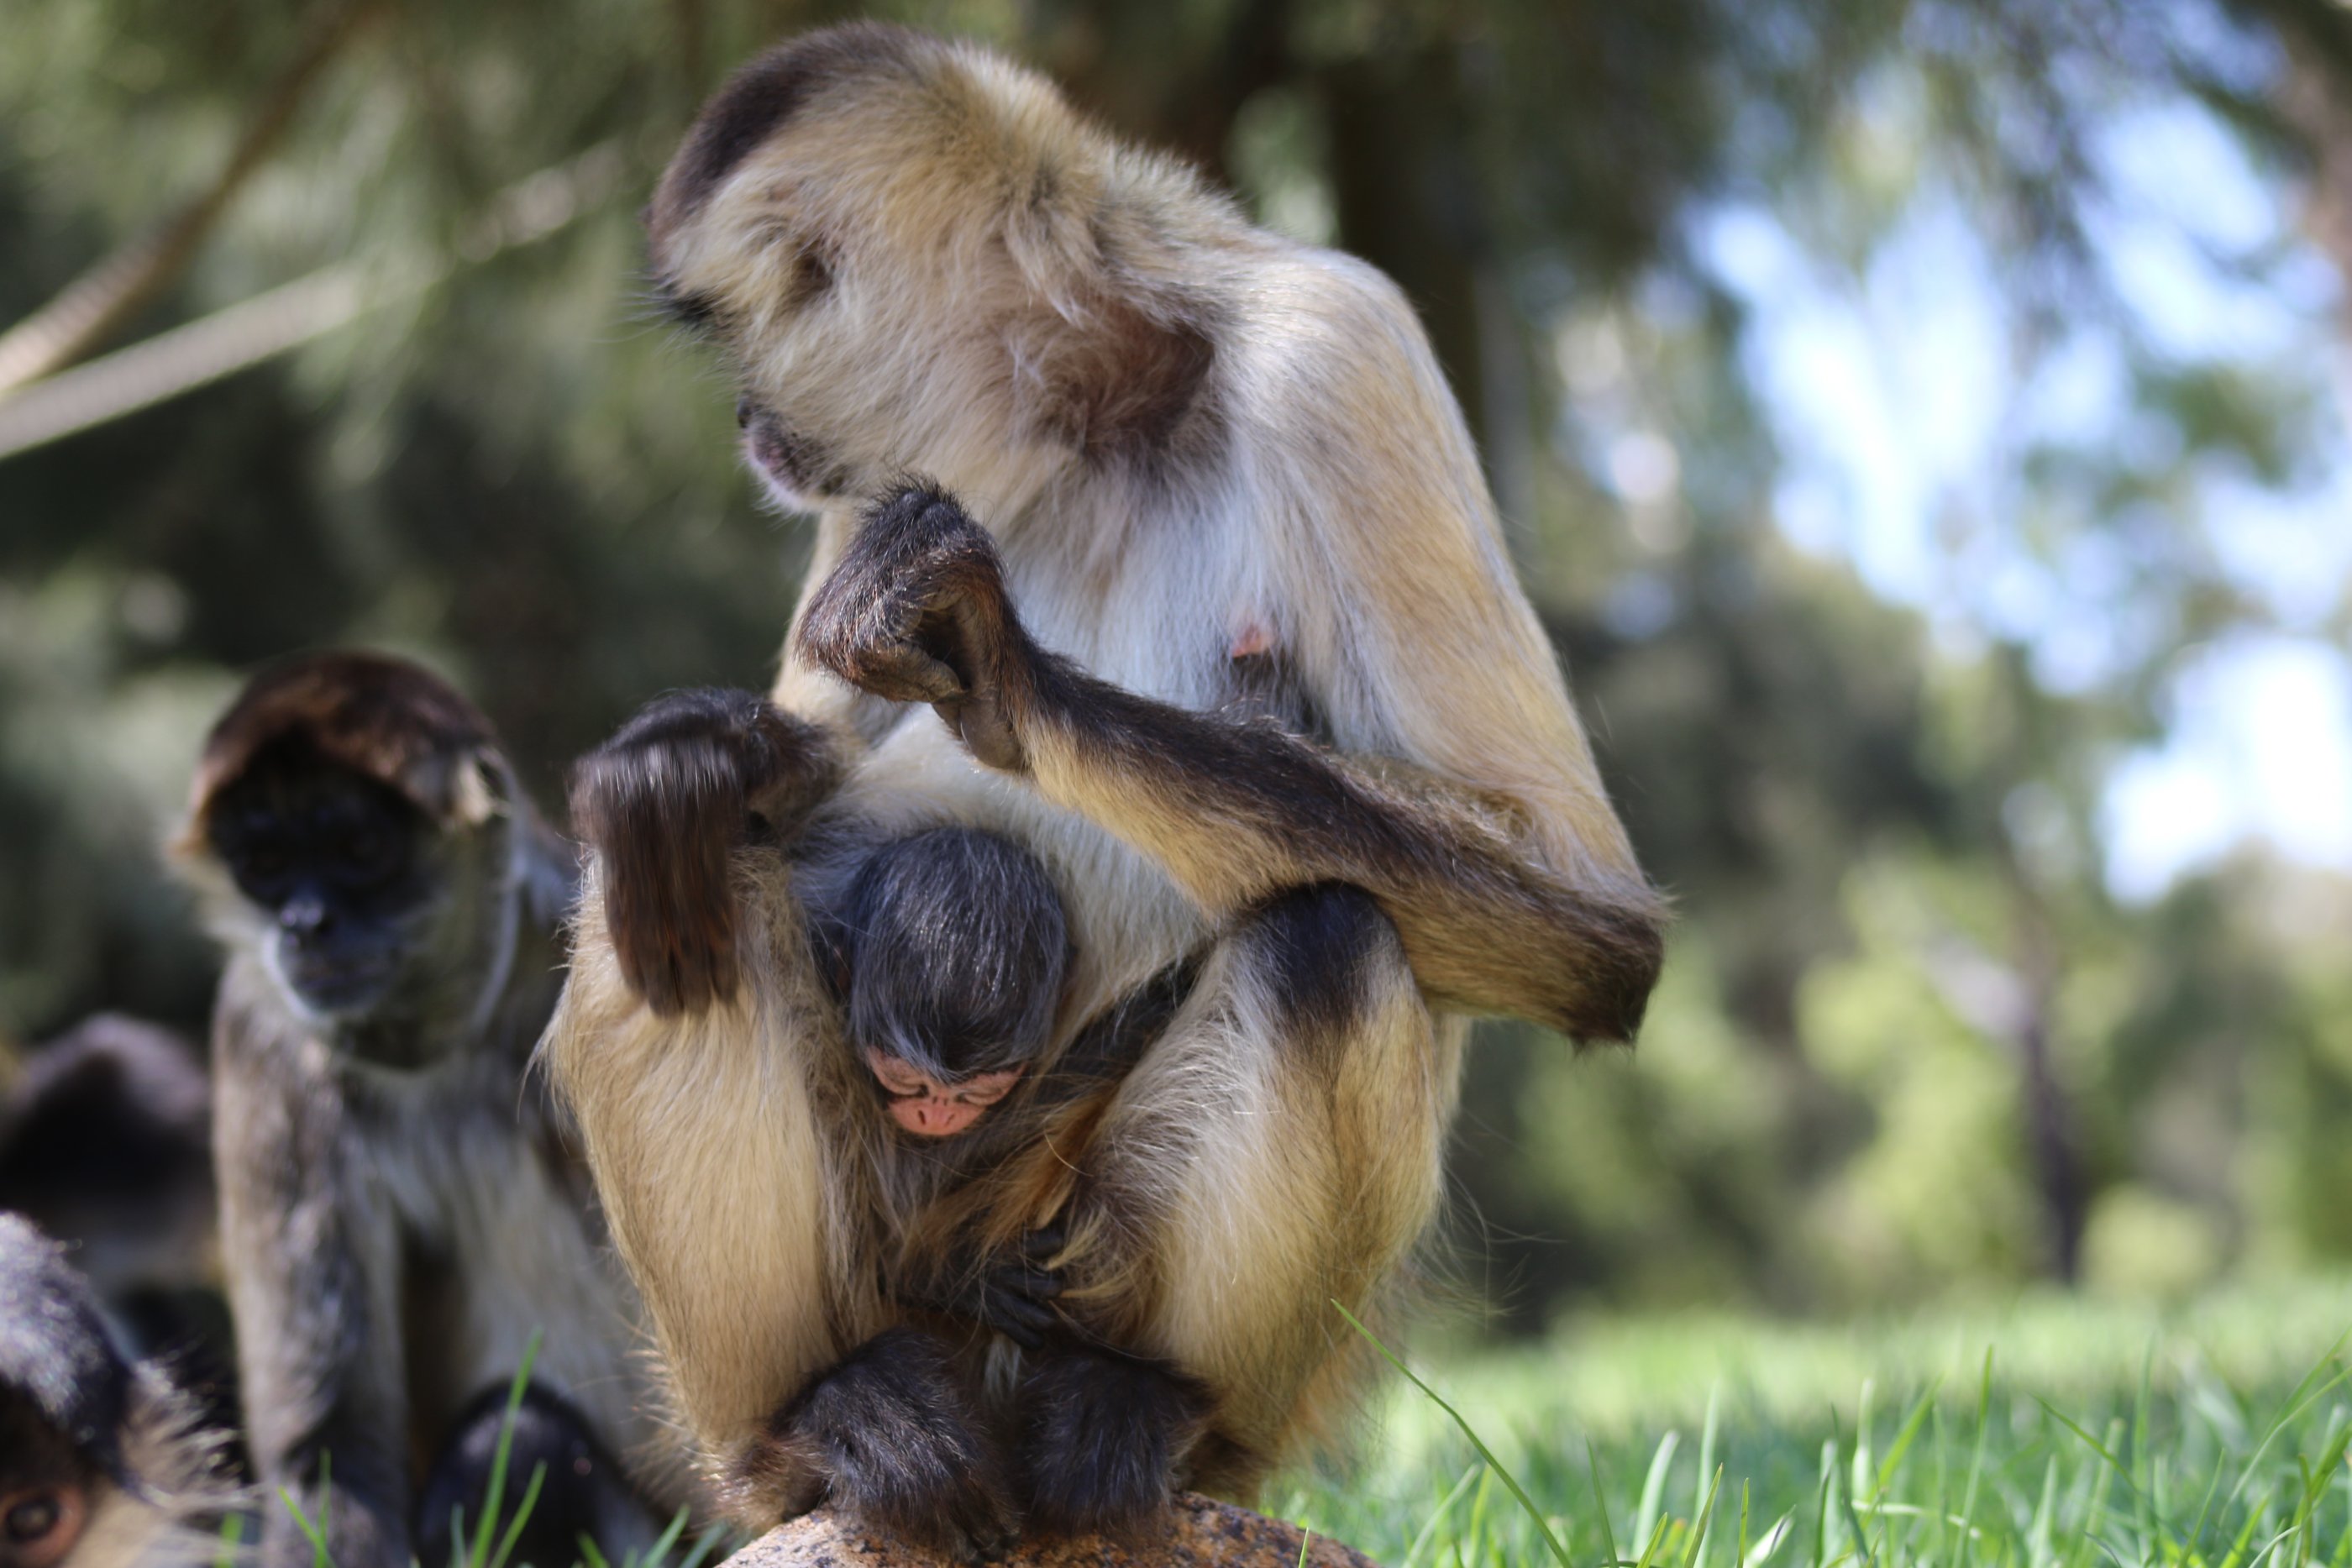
[(928, 1108)]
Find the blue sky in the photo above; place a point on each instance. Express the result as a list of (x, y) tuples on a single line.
[(1900, 408)]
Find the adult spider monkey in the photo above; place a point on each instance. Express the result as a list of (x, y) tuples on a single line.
[(401, 1204), (1209, 598)]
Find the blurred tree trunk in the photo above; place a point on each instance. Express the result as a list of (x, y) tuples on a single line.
[(1409, 202), (2050, 1118)]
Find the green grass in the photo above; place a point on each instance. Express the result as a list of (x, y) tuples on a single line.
[(2047, 1430)]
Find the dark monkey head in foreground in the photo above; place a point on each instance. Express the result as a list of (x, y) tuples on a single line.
[(103, 1464), (1211, 615)]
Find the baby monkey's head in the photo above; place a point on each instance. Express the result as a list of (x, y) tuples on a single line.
[(957, 945)]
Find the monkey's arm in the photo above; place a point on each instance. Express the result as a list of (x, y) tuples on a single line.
[(311, 1268), (665, 803), (1493, 917)]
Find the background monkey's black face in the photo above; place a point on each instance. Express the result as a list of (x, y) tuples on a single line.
[(337, 863)]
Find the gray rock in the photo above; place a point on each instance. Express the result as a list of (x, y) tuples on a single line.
[(1200, 1532)]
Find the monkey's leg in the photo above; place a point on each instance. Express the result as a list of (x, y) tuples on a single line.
[(703, 1135), (685, 1044), (314, 1285), (1279, 1149)]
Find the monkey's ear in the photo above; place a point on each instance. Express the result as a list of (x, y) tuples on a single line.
[(1116, 359), (463, 788), (480, 789), (1124, 379)]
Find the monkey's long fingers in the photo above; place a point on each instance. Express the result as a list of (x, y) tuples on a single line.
[(1040, 1245), (1022, 1322), (1027, 1338), (902, 673), (1029, 1283), (673, 925)]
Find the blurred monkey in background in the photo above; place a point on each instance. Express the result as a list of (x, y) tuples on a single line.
[(400, 1203), (103, 1462), (106, 1144)]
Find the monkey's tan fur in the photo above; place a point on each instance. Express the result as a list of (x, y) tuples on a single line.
[(1190, 441)]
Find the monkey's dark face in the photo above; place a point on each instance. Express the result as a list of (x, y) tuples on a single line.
[(45, 1489), (931, 1107), (339, 865)]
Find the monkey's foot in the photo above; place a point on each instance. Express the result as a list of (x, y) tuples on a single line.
[(891, 1433), (1193, 1531), (1106, 1434)]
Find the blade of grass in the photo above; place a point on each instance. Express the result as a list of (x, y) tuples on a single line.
[(1845, 1496), (1706, 1513), (316, 1534), (1976, 1460), (704, 1545), (1429, 1526), (1860, 1484), (1764, 1550), (1600, 1506), (1706, 1467), (1821, 1507), (486, 1529), (1650, 1548), (666, 1542), (521, 1516), (1653, 1487), (1543, 1527), (1903, 1440)]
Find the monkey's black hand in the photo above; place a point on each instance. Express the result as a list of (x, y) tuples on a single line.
[(916, 612), (664, 804), (1011, 1291)]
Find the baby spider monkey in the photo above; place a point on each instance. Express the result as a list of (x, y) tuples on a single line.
[(948, 956), (951, 964)]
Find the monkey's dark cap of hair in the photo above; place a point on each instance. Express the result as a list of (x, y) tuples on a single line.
[(958, 945), (54, 1350), (383, 717), (759, 100)]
